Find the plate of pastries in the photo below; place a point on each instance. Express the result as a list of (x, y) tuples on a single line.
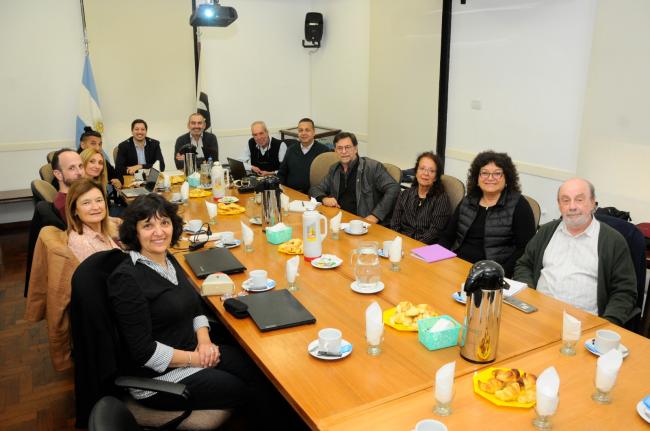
[(230, 208), (509, 387), (405, 316), (293, 246)]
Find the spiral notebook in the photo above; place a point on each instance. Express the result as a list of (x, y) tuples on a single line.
[(432, 253)]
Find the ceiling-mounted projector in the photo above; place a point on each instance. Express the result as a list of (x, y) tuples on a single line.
[(213, 15)]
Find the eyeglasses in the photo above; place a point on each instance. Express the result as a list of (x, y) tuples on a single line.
[(496, 175), (427, 170), (344, 149)]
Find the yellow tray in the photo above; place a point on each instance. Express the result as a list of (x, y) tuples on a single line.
[(390, 313), (198, 193), (485, 375)]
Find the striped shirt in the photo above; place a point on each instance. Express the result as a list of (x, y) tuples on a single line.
[(421, 219), (162, 356)]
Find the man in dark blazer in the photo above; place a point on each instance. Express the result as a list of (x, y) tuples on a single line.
[(197, 137), (138, 152)]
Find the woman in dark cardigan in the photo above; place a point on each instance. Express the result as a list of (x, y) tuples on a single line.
[(161, 321), (422, 211), (494, 221)]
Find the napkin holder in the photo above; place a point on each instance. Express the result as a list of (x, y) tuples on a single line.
[(439, 339), (217, 284), (280, 236)]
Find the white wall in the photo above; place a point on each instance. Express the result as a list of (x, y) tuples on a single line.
[(518, 75), (143, 64), (403, 80), (256, 69), (615, 141), (339, 69)]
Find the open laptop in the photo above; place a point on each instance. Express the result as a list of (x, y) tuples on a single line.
[(149, 185), (237, 169), (276, 310), (206, 262)]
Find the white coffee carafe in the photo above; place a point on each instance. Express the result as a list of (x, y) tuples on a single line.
[(312, 235), (218, 181)]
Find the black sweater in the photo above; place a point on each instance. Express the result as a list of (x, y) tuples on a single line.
[(149, 308), (294, 170)]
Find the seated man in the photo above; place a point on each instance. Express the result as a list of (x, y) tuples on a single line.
[(138, 152), (197, 138), (67, 167), (294, 170), (579, 260), (359, 185), (263, 152), (93, 139)]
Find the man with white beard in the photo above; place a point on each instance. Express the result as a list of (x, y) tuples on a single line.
[(579, 260)]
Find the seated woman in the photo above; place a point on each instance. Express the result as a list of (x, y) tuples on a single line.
[(494, 221), (159, 316), (138, 152), (422, 211), (96, 168), (89, 228)]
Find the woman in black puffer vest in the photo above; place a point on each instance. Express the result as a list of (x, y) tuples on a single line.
[(494, 221)]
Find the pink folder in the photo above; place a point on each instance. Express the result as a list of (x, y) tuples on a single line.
[(432, 253)]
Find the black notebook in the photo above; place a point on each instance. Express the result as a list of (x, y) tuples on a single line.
[(206, 262), (276, 309)]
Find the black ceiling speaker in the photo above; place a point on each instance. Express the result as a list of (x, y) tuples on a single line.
[(313, 30), (212, 14)]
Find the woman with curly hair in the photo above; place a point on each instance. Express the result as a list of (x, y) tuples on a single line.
[(164, 328), (494, 221), (422, 211)]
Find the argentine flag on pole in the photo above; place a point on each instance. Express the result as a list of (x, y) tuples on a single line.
[(89, 113)]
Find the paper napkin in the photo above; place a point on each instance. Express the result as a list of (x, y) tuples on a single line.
[(212, 209), (445, 382), (570, 327), (246, 234), (395, 253), (548, 386), (374, 324), (335, 222), (185, 191), (292, 268), (607, 367)]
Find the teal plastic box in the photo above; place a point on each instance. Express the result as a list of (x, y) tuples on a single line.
[(440, 339), (279, 237)]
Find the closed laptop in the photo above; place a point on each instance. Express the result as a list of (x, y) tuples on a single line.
[(206, 262)]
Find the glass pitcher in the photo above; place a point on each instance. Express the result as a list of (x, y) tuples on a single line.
[(365, 260)]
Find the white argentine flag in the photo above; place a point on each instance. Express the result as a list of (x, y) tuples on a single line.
[(89, 112)]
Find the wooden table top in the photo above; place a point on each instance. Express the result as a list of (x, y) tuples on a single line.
[(322, 391), (576, 410)]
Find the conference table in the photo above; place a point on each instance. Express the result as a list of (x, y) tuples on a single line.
[(394, 389)]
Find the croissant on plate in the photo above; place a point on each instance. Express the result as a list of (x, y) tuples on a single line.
[(491, 386), (509, 393), (506, 375)]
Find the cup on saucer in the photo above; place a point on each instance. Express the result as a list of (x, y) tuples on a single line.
[(227, 237), (329, 340), (194, 225), (356, 227), (607, 340), (258, 278), (430, 425)]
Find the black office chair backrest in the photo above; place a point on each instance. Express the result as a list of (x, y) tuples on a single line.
[(636, 244), (97, 356), (110, 414)]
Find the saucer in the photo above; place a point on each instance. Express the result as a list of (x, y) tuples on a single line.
[(590, 345), (378, 288), (346, 349), (229, 199), (643, 411), (270, 284), (349, 232), (380, 253), (327, 261), (458, 297), (233, 244), (256, 221)]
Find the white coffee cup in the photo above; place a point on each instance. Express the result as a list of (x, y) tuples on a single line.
[(329, 340), (387, 247), (430, 425), (194, 225), (227, 237), (356, 226), (176, 197), (258, 278), (607, 340)]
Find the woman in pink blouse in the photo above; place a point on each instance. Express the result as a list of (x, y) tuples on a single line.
[(89, 229)]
